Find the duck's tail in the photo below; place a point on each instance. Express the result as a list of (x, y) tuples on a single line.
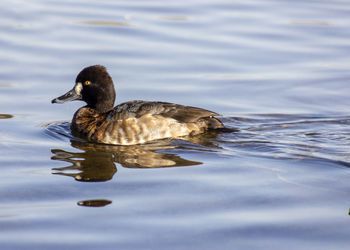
[(214, 124)]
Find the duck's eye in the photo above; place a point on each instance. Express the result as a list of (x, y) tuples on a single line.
[(87, 82)]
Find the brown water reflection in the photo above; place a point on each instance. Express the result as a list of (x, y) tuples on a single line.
[(5, 116), (97, 162), (94, 203)]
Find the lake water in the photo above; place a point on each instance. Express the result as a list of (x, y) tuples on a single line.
[(276, 70)]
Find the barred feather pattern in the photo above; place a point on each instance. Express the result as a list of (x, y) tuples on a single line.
[(136, 122)]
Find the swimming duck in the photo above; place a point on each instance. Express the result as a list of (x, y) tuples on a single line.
[(132, 122)]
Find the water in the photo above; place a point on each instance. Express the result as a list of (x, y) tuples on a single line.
[(277, 70)]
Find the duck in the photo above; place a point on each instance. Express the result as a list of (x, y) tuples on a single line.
[(132, 122)]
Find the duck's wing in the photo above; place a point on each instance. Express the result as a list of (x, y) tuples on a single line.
[(137, 109)]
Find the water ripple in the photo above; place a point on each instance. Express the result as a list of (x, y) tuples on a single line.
[(291, 136), (273, 136)]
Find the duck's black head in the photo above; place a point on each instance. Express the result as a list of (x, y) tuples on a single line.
[(94, 86)]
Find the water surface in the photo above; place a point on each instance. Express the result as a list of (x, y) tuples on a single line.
[(278, 71)]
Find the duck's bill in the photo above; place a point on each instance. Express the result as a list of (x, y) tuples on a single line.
[(67, 97)]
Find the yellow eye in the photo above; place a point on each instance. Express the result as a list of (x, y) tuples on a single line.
[(87, 82)]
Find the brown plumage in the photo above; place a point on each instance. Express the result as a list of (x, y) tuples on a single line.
[(131, 122)]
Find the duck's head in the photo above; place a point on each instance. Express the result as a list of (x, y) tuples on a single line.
[(94, 86)]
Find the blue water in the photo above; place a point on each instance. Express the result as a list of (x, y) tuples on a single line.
[(278, 71)]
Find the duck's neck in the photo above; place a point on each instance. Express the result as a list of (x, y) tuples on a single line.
[(103, 103), (103, 107)]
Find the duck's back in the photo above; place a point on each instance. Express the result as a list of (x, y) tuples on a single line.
[(137, 122)]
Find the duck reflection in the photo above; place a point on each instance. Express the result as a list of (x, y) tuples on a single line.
[(97, 161), (85, 166)]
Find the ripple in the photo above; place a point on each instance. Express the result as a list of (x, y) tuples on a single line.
[(175, 18), (59, 130), (312, 23), (291, 137), (105, 23)]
